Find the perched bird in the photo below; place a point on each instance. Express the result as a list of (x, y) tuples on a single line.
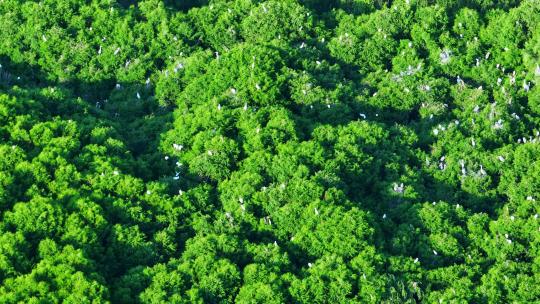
[(498, 125), (526, 86), (398, 188), (178, 67), (482, 171), (444, 56), (459, 81)]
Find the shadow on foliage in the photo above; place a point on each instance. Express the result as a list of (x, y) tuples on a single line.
[(136, 124), (129, 108), (171, 4)]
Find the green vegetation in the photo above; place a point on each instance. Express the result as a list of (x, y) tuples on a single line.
[(281, 151)]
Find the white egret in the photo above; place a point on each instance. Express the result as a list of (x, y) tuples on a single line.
[(526, 86), (398, 188), (445, 56)]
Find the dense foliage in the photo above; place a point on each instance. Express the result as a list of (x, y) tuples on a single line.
[(281, 151)]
